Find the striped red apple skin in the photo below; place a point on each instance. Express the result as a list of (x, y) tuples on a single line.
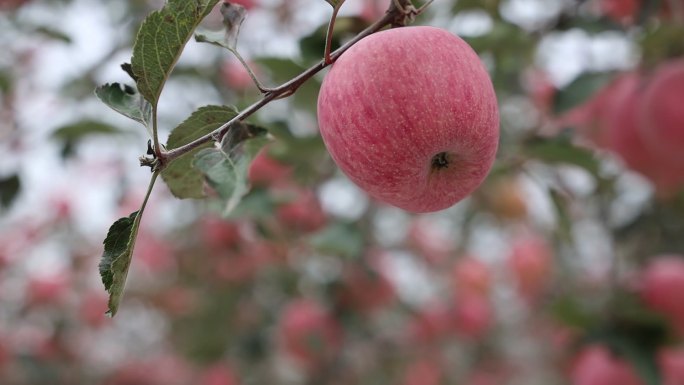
[(410, 116)]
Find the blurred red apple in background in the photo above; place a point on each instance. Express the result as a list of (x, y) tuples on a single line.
[(430, 240), (218, 374), (671, 363), (596, 365), (303, 212), (473, 316), (471, 275), (248, 4), (266, 171), (431, 323), (423, 372), (530, 263), (308, 334), (92, 308), (624, 11), (365, 290), (393, 126), (662, 287), (235, 75), (662, 117)]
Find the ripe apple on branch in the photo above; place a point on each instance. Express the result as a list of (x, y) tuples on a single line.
[(409, 114)]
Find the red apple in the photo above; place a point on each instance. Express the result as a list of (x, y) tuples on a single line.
[(266, 171), (373, 9), (671, 362), (431, 323), (248, 4), (620, 10), (155, 254), (661, 114), (219, 234), (243, 265), (471, 276), (235, 75), (589, 118), (662, 287), (365, 290), (410, 115), (217, 374), (92, 308), (473, 316), (303, 212), (423, 372), (540, 89), (430, 240), (48, 290), (621, 117), (308, 333), (595, 365), (11, 4), (530, 263)]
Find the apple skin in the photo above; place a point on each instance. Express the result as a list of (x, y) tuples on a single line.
[(671, 364), (308, 334), (471, 276), (595, 365), (473, 316), (530, 263), (661, 285), (410, 115), (266, 171), (423, 372), (218, 374), (248, 4), (624, 136), (661, 115), (621, 10)]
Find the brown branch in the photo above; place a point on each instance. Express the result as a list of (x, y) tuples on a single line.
[(399, 12)]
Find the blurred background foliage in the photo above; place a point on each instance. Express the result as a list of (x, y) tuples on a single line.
[(565, 267)]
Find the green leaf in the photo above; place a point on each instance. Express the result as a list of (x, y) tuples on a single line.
[(183, 180), (560, 150), (579, 91), (339, 239), (570, 312), (116, 258), (118, 252), (258, 204), (161, 40), (9, 189), (225, 168), (126, 101), (71, 134)]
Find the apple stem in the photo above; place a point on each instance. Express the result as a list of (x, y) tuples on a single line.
[(329, 33), (395, 15)]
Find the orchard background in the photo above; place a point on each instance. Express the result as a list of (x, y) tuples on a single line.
[(565, 267)]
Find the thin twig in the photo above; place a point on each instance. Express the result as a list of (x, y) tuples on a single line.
[(251, 73)]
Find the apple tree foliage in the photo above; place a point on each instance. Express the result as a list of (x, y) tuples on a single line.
[(564, 267)]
